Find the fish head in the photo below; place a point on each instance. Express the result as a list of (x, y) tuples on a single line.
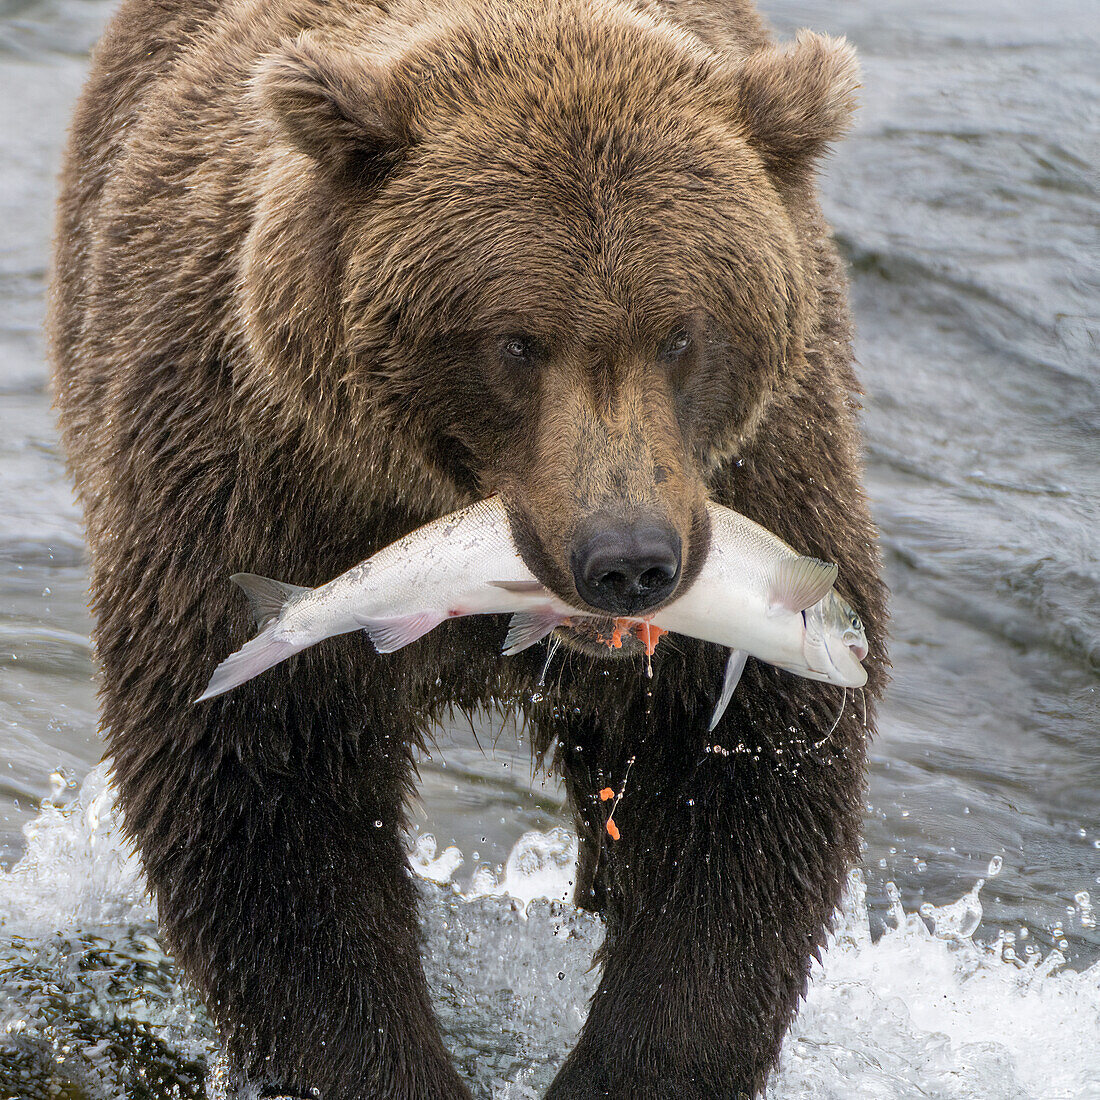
[(834, 642)]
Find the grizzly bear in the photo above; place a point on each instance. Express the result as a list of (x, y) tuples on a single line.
[(328, 270)]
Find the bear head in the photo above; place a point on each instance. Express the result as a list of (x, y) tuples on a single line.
[(549, 252)]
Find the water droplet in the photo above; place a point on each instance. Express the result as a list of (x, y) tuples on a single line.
[(1088, 914)]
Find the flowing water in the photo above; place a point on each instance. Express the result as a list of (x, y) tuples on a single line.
[(966, 204)]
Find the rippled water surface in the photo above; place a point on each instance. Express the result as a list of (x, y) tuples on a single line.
[(966, 203)]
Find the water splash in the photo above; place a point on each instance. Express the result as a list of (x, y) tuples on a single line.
[(90, 1003), (78, 868), (429, 866), (923, 1012), (540, 865)]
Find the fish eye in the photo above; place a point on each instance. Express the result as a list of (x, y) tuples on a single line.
[(856, 624), (676, 344)]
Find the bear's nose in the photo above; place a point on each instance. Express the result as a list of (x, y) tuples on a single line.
[(626, 568)]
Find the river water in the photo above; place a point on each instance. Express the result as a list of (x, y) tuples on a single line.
[(966, 202)]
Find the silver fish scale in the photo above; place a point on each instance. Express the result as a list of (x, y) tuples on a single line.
[(434, 557), (742, 548)]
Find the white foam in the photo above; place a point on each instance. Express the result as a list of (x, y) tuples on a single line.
[(922, 1011), (78, 868), (429, 866), (540, 865)]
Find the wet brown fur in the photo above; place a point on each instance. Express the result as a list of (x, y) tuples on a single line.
[(292, 238)]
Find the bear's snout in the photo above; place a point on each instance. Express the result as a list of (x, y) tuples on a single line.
[(625, 568)]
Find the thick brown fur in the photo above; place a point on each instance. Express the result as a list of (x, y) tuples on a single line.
[(328, 270)]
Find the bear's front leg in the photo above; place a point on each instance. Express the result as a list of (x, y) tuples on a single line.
[(270, 822), (731, 852)]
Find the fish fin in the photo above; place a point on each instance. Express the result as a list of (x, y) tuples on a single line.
[(735, 665), (261, 653), (799, 583), (389, 635), (267, 597), (526, 587), (527, 627)]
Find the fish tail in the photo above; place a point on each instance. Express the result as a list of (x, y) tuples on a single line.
[(261, 653)]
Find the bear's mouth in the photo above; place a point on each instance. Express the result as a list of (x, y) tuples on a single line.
[(602, 634), (598, 638)]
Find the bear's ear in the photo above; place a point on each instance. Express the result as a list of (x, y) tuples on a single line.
[(341, 109), (793, 101)]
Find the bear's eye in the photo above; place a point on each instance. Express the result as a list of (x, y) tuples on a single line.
[(518, 349), (675, 345)]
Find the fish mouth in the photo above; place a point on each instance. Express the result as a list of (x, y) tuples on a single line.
[(847, 670)]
